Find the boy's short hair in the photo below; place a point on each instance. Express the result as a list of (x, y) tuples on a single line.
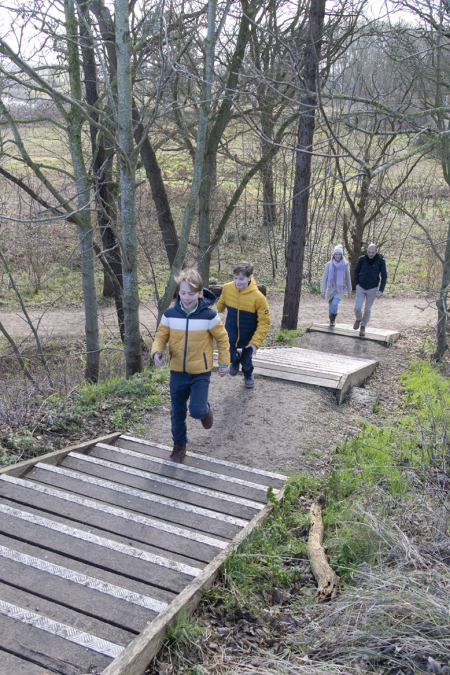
[(245, 268), (191, 277)]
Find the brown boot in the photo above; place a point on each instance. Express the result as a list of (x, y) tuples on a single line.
[(178, 453), (332, 320), (207, 421), (362, 331)]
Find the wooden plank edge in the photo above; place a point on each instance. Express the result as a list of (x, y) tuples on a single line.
[(20, 468), (348, 379), (137, 655)]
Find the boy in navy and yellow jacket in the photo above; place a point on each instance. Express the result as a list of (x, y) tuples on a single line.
[(190, 327), (247, 322)]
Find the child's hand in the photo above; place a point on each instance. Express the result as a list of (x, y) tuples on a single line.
[(323, 296), (255, 349), (157, 359), (223, 371)]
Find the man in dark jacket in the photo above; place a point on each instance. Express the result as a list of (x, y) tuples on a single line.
[(370, 269)]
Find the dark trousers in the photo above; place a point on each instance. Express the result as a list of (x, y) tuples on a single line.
[(244, 358), (183, 386)]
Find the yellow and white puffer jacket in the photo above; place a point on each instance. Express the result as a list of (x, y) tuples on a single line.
[(191, 338), (248, 315)]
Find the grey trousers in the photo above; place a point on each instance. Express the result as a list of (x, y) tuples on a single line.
[(369, 296)]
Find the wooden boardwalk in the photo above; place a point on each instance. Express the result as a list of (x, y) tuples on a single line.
[(333, 371), (386, 337), (102, 544)]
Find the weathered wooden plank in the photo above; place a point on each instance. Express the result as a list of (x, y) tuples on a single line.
[(140, 501), (47, 650), (180, 472), (14, 665), (92, 548), (191, 494), (140, 591), (386, 337), (136, 657), (21, 468), (307, 370), (354, 378), (60, 613), (77, 591), (159, 536), (295, 377), (222, 467)]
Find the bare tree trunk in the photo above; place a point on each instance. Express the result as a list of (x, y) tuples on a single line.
[(75, 122), (306, 127), (198, 161), (102, 172), (127, 167)]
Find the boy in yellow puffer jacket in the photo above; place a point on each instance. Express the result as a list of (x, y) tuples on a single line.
[(190, 327), (248, 319)]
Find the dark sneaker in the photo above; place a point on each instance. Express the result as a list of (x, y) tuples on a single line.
[(207, 421), (356, 324), (177, 453), (362, 331), (234, 369), (249, 382)]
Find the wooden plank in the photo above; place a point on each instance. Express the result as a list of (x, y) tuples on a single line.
[(75, 590), (158, 485), (90, 547), (354, 378), (140, 501), (20, 468), (300, 369), (159, 536), (66, 615), (294, 377), (107, 577), (186, 474), (136, 657), (224, 468), (47, 650), (14, 665), (386, 337)]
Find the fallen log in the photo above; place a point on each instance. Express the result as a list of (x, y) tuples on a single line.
[(326, 577)]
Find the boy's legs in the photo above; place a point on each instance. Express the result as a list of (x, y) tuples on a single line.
[(235, 359), (246, 361), (180, 388), (198, 405)]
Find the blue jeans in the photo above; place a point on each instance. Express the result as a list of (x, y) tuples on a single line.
[(334, 305), (244, 358), (183, 386)]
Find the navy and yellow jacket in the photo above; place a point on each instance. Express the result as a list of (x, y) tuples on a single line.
[(191, 337), (248, 316)]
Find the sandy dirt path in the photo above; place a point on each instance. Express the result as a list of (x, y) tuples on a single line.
[(397, 313)]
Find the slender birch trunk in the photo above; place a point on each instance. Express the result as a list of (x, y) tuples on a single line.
[(198, 161), (127, 181), (74, 126)]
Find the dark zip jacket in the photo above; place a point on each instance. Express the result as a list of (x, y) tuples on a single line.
[(368, 272)]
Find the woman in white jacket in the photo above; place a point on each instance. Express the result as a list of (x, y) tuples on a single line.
[(335, 281)]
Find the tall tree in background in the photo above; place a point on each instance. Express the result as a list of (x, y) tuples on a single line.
[(299, 220)]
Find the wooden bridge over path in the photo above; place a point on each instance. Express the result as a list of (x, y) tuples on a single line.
[(102, 544)]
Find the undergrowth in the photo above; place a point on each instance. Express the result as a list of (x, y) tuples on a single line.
[(387, 536)]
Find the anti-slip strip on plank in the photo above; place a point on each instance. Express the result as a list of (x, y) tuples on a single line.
[(69, 633), (100, 541), (213, 460), (133, 492), (113, 511), (207, 492), (83, 579), (183, 467)]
